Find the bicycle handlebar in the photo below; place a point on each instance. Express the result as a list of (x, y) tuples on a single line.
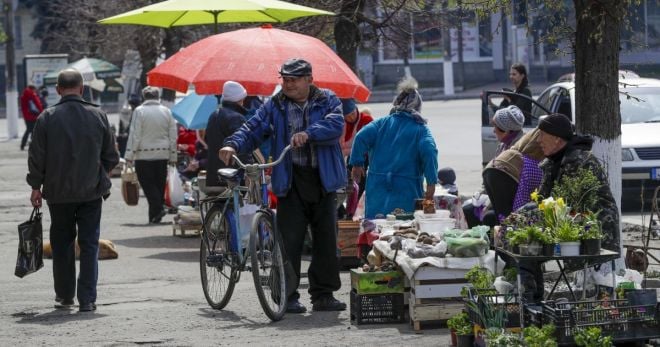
[(263, 166)]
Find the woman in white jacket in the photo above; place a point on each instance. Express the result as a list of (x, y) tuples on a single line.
[(151, 145)]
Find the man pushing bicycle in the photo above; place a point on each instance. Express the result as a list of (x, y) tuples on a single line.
[(311, 120)]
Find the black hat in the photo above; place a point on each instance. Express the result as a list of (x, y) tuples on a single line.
[(447, 176), (348, 106), (296, 67), (558, 125)]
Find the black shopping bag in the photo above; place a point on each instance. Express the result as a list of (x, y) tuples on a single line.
[(30, 245)]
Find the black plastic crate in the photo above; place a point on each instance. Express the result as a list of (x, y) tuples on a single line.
[(377, 308), (484, 297), (616, 318)]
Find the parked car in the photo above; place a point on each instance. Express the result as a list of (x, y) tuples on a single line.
[(640, 126)]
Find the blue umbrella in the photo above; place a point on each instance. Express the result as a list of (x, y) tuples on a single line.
[(194, 110)]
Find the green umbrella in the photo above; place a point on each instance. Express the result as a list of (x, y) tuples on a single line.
[(173, 13)]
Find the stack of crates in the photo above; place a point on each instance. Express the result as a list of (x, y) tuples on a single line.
[(377, 297)]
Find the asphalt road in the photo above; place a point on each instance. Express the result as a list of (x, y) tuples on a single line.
[(152, 295)]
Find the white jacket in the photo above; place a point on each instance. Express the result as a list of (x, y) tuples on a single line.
[(153, 133)]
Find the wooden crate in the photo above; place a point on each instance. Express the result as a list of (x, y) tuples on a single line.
[(430, 282), (377, 282), (432, 312), (347, 235)]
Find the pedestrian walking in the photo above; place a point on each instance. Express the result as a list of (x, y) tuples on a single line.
[(402, 153), (311, 120), (30, 108), (151, 145), (70, 157)]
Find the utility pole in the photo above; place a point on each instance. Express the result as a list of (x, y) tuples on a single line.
[(11, 94)]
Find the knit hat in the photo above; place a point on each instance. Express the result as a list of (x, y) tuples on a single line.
[(509, 118), (558, 125), (368, 225), (348, 106), (233, 92)]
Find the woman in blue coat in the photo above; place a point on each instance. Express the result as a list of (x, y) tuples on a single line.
[(402, 153)]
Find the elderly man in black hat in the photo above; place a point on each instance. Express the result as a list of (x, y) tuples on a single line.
[(311, 120), (566, 155)]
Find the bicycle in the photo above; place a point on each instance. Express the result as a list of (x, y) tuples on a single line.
[(222, 257)]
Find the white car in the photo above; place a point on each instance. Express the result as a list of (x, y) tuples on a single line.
[(640, 126)]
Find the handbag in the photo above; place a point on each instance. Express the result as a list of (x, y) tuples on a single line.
[(130, 187), (30, 245)]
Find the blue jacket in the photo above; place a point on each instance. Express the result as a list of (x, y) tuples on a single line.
[(325, 128), (402, 152)]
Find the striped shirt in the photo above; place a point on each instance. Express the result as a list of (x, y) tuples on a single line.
[(299, 121)]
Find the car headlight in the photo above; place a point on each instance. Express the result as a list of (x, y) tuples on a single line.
[(626, 154)]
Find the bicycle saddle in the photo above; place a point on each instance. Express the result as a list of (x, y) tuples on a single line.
[(228, 173)]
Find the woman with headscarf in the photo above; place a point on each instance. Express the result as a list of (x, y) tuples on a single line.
[(402, 153), (507, 125)]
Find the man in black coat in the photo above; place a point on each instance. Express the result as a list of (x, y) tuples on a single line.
[(70, 157), (222, 123)]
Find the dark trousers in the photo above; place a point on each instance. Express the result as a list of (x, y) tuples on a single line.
[(86, 216), (29, 126), (152, 175), (294, 213)]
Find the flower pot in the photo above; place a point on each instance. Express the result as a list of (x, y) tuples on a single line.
[(590, 247), (465, 340), (549, 250), (454, 341), (569, 249), (531, 249)]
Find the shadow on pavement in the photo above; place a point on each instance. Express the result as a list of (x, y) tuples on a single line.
[(55, 317), (159, 241), (189, 257)]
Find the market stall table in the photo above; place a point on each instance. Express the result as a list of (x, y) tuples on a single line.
[(587, 260)]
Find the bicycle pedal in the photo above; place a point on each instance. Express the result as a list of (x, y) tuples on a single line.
[(215, 260)]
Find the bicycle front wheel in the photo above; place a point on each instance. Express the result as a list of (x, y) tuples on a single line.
[(267, 257), (216, 263)]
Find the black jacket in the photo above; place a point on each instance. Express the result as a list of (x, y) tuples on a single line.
[(71, 153), (222, 123)]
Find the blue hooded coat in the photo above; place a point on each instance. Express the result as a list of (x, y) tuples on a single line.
[(402, 152)]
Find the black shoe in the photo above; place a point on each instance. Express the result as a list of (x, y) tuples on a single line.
[(328, 303), (64, 303), (87, 307), (294, 306), (158, 217)]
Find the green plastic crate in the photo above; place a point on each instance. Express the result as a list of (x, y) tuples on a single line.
[(376, 282)]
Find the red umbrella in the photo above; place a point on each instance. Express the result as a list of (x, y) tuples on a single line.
[(253, 57)]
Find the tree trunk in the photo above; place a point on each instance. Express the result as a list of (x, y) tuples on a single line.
[(171, 45), (347, 33), (596, 81)]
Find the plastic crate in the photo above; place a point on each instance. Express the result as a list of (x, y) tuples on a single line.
[(485, 297), (616, 318), (377, 308)]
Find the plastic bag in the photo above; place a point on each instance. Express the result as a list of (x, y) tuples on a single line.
[(30, 245), (173, 188), (360, 209), (468, 243), (246, 214)]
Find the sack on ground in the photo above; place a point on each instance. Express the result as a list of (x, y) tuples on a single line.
[(107, 250), (30, 240), (130, 188)]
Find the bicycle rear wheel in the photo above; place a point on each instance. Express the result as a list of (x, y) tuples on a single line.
[(216, 264), (267, 257)]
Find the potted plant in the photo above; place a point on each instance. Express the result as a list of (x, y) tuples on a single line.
[(592, 337), (568, 235), (540, 337), (461, 329), (591, 234), (502, 338)]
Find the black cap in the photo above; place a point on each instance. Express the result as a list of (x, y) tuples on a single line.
[(348, 106), (296, 67), (447, 176), (558, 125)]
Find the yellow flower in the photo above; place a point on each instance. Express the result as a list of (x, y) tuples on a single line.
[(542, 206), (535, 195), (561, 203)]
